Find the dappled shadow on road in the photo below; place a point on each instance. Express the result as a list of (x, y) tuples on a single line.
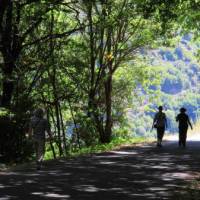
[(141, 172)]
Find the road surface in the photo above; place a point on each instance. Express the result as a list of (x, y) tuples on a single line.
[(140, 172)]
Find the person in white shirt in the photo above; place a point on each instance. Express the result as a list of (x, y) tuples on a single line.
[(37, 128)]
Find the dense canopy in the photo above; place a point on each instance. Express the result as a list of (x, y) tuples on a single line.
[(83, 62)]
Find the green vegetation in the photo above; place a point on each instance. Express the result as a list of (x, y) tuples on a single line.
[(178, 86), (91, 65), (116, 143)]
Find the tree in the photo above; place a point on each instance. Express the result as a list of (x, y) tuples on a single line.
[(65, 55), (116, 32), (22, 25), (24, 34)]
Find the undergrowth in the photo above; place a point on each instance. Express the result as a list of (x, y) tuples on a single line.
[(114, 144)]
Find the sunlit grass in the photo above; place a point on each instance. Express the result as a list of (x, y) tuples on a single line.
[(114, 144)]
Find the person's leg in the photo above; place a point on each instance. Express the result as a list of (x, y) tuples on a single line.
[(158, 136), (37, 153), (184, 137), (36, 149), (179, 141), (162, 130), (181, 133), (179, 137), (41, 151)]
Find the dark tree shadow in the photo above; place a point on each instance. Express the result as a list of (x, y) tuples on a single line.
[(141, 172)]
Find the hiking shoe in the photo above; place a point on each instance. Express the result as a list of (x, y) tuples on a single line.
[(159, 145)]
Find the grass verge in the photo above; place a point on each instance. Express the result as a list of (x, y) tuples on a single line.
[(113, 145)]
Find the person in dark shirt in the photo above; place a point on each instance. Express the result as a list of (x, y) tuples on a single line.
[(183, 120), (160, 123)]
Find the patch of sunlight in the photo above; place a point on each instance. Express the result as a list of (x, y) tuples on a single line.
[(152, 159), (30, 181), (144, 194), (191, 136), (141, 181), (139, 166), (20, 173), (177, 175), (124, 152), (171, 137), (18, 183), (160, 167), (10, 173), (115, 189), (167, 163), (56, 172), (157, 188), (196, 128), (107, 156), (50, 195), (2, 186), (181, 167), (171, 185), (51, 187), (147, 146), (167, 179), (7, 197), (87, 188), (107, 163), (54, 195)]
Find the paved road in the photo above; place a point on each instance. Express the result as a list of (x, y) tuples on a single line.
[(141, 172)]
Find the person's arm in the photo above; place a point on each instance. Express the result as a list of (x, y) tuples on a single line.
[(154, 120), (166, 125), (48, 129), (30, 132), (177, 118), (190, 123), (50, 134)]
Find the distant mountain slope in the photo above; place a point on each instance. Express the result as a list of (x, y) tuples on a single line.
[(181, 67), (180, 83)]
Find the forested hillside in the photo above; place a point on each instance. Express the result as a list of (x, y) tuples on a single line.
[(179, 85)]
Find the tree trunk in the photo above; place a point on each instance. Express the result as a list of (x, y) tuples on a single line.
[(108, 93), (7, 91), (108, 85), (8, 83), (63, 132), (58, 128), (9, 47)]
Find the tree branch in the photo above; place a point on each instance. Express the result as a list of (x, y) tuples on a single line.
[(53, 36)]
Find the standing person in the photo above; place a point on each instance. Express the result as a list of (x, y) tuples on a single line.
[(160, 123), (37, 128), (184, 121)]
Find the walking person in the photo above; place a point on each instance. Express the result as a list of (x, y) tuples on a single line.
[(183, 119), (37, 128), (160, 123)]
